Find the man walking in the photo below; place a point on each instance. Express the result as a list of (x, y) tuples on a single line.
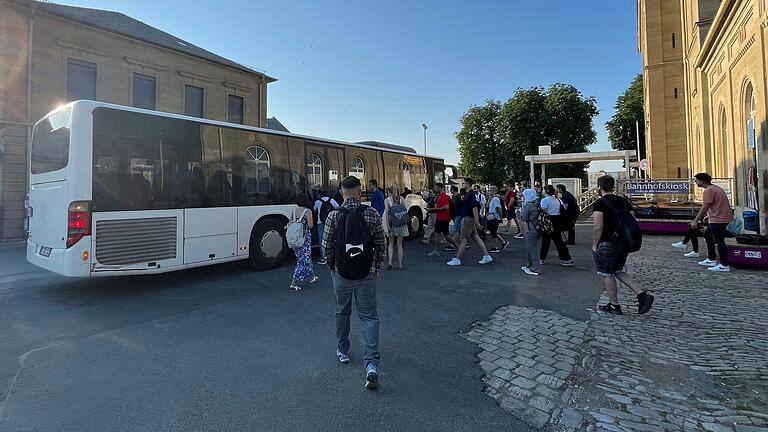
[(377, 197), (571, 213), (718, 210), (470, 223), (442, 215), (323, 207), (355, 247), (610, 259)]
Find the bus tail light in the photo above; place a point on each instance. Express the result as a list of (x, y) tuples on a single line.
[(78, 222)]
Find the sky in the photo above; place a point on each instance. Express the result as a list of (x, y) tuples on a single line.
[(376, 70)]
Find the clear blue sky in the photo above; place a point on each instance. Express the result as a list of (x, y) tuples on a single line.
[(377, 70)]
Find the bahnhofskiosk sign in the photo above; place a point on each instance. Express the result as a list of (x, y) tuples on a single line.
[(677, 187)]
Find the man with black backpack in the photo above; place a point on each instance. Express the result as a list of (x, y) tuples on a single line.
[(323, 207), (616, 236), (354, 245)]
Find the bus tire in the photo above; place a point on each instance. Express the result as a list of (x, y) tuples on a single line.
[(268, 246), (416, 222)]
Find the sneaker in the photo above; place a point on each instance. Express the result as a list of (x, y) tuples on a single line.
[(486, 259), (371, 376), (529, 271), (434, 253), (343, 357), (679, 245), (504, 246), (691, 254), (448, 248), (567, 263), (644, 302), (541, 262), (425, 241), (322, 261), (720, 268), (708, 263), (466, 247), (519, 236), (611, 309), (454, 262), (494, 250)]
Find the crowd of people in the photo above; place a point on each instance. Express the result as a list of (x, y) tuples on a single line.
[(358, 242)]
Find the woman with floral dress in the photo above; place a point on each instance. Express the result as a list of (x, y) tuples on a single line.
[(304, 271)]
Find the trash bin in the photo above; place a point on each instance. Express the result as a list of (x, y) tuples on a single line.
[(750, 221)]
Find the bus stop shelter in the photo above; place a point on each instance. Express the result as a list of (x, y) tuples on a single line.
[(545, 159)]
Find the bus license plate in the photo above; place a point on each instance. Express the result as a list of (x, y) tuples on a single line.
[(45, 251)]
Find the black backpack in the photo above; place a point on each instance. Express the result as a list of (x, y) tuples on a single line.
[(354, 248), (326, 207), (627, 229)]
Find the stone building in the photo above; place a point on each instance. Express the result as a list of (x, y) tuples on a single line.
[(724, 57), (51, 54)]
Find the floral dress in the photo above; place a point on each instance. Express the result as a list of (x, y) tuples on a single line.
[(304, 270)]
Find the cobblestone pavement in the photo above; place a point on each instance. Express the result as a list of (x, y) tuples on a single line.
[(697, 362)]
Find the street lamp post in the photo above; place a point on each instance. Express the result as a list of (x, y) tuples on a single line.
[(424, 125)]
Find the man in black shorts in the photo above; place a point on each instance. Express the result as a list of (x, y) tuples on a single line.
[(609, 258), (442, 211)]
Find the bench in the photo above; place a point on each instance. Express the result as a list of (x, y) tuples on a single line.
[(743, 255)]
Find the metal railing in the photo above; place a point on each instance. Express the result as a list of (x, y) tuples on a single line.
[(586, 199)]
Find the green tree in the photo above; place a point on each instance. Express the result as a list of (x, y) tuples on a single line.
[(522, 125), (480, 145), (569, 127), (629, 113)]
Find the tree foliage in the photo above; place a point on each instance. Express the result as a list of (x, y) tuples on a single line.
[(629, 114), (479, 141), (495, 138)]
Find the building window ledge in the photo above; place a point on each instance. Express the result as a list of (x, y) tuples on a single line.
[(155, 66), (237, 86), (81, 48), (193, 75)]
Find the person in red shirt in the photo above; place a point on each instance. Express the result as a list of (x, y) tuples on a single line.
[(511, 201), (443, 218)]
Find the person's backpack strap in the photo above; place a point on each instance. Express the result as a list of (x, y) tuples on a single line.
[(297, 218)]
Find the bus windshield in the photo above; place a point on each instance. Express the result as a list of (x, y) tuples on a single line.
[(50, 143)]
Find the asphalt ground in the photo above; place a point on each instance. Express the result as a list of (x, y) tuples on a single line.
[(225, 348)]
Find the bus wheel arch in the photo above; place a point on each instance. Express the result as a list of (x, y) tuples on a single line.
[(268, 247), (415, 222)]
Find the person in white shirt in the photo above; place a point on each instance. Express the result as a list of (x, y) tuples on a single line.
[(552, 204), (483, 201), (323, 207)]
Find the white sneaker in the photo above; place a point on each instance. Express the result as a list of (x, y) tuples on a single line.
[(720, 268), (529, 271), (679, 245), (708, 263), (454, 262), (692, 254), (486, 259)]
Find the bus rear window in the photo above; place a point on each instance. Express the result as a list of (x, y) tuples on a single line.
[(50, 143)]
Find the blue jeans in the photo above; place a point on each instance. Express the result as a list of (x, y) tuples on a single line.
[(457, 224), (364, 293), (321, 235)]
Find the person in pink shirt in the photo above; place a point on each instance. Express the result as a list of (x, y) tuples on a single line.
[(717, 209)]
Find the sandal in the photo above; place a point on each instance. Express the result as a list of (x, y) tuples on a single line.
[(314, 280), (294, 288)]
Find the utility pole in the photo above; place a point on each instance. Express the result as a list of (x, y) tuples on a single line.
[(639, 158), (424, 125)]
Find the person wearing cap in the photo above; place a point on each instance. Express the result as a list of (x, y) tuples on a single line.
[(530, 217)]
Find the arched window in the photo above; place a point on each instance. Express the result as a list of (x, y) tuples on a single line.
[(358, 166), (314, 172), (257, 170), (750, 111), (749, 114), (725, 155)]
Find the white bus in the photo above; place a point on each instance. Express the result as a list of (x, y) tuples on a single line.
[(119, 190)]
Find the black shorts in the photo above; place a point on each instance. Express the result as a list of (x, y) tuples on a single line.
[(442, 227), (608, 258), (493, 227)]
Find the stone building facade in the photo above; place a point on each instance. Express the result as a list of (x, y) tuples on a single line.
[(51, 54), (725, 66)]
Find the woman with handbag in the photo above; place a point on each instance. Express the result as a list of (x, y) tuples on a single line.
[(304, 271), (556, 211)]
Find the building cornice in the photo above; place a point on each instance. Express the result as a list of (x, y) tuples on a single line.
[(146, 64), (187, 74), (82, 49)]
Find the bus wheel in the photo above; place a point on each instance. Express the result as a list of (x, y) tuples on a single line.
[(416, 223), (269, 248)]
